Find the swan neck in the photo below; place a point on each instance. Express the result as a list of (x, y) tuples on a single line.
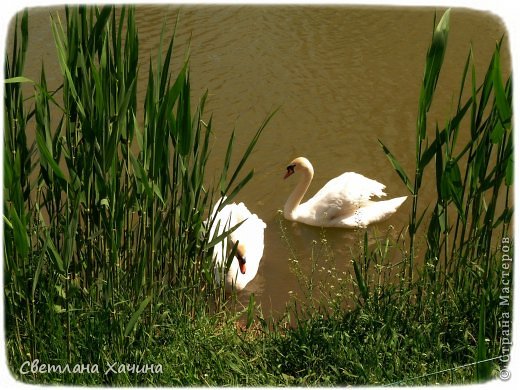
[(298, 193)]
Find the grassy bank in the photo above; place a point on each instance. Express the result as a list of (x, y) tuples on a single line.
[(107, 258)]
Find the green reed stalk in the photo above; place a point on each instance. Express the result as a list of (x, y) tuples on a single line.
[(434, 60)]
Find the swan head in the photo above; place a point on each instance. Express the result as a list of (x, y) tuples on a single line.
[(241, 257), (299, 164)]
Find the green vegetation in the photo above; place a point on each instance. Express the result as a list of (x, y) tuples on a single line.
[(107, 258), (105, 220)]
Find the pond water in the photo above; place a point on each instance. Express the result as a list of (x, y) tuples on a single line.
[(343, 77)]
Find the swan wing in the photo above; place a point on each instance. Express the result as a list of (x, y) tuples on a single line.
[(372, 212), (251, 231), (342, 196)]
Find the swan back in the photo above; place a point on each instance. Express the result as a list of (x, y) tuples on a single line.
[(249, 237)]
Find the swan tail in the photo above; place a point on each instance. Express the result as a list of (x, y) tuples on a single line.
[(388, 207), (376, 212), (395, 203)]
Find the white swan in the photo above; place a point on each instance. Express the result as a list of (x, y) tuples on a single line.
[(343, 202), (249, 238)]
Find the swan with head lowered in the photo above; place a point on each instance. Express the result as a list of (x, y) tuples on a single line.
[(248, 238), (344, 201)]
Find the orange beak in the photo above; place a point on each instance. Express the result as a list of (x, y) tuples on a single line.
[(287, 174)]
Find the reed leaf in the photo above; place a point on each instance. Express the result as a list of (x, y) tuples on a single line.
[(59, 37), (398, 168), (442, 138), (361, 282), (135, 317), (54, 255), (142, 177), (504, 109), (227, 161), (434, 60), (19, 79), (47, 157), (248, 151), (21, 237)]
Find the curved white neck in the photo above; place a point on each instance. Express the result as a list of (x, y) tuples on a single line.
[(298, 193)]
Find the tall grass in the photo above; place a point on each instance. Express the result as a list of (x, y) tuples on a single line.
[(472, 211), (465, 177), (17, 168), (104, 216)]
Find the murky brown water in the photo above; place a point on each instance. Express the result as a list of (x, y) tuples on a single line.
[(344, 77)]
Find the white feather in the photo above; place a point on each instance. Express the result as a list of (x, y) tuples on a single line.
[(250, 234)]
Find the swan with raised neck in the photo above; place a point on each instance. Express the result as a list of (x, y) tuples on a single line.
[(344, 201)]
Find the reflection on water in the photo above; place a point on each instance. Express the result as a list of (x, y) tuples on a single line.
[(343, 78)]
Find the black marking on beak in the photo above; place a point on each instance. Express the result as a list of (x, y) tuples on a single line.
[(242, 264), (290, 171), (241, 259)]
